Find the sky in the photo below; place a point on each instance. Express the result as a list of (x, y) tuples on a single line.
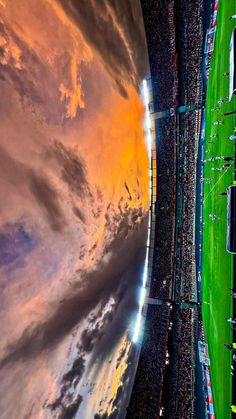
[(74, 204)]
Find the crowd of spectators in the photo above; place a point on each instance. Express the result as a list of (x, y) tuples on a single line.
[(146, 395), (179, 390), (187, 352), (148, 382), (189, 46), (163, 257), (173, 29), (160, 31), (184, 261), (160, 36), (164, 39)]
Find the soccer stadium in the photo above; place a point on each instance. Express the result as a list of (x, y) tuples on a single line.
[(118, 209), (186, 330)]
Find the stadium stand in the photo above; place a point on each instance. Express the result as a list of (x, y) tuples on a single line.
[(148, 383), (160, 32), (178, 400), (162, 276), (189, 46), (175, 45)]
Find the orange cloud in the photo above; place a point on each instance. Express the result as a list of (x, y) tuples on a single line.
[(75, 94), (10, 51)]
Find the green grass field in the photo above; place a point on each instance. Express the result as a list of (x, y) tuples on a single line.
[(217, 263)]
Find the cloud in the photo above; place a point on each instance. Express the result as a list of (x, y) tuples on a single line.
[(67, 403), (28, 73), (48, 199), (95, 328), (127, 189), (78, 213), (20, 175), (129, 16), (120, 224), (120, 357), (118, 277), (100, 145), (10, 51), (73, 170), (73, 95), (117, 399), (116, 407), (13, 68), (11, 170), (125, 270), (121, 89), (115, 35), (98, 416), (16, 241), (75, 372), (66, 409)]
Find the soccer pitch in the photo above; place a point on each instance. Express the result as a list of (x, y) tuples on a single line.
[(217, 263)]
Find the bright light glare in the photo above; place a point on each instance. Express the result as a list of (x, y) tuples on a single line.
[(142, 296), (138, 323), (148, 131), (137, 327)]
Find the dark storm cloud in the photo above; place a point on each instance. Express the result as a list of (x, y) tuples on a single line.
[(126, 305), (121, 89), (113, 415), (129, 14), (99, 337), (89, 339), (127, 189), (19, 174), (72, 377), (48, 200), (24, 85), (67, 403), (136, 214), (100, 33), (121, 44), (121, 224), (79, 214), (66, 409), (75, 372), (69, 411), (30, 81), (93, 248), (118, 277), (126, 290), (73, 169)]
